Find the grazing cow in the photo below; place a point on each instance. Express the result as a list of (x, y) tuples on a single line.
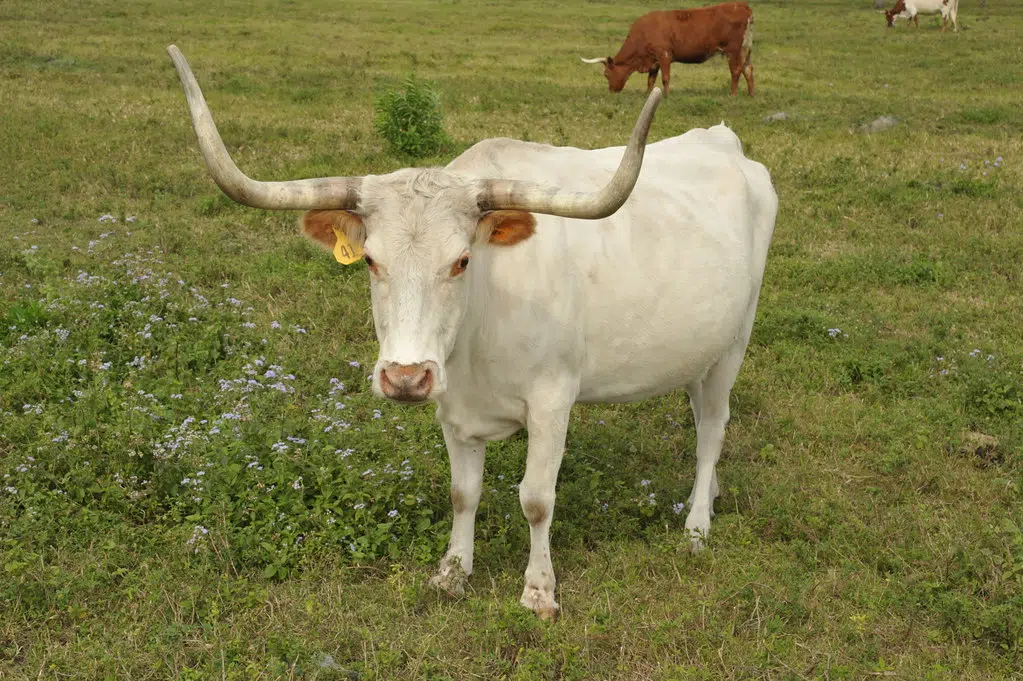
[(687, 36), (499, 301), (911, 9)]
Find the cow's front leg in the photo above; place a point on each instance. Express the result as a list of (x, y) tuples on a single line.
[(547, 430), (466, 458)]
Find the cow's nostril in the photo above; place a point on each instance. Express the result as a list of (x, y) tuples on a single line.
[(425, 381)]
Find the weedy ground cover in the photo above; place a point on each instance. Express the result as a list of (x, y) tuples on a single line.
[(196, 482)]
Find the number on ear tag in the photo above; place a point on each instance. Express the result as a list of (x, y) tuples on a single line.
[(344, 251)]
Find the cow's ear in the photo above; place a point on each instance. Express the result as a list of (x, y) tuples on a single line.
[(318, 226), (506, 227), (610, 61)]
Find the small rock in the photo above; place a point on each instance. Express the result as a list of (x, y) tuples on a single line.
[(879, 4), (879, 124), (780, 116), (329, 669)]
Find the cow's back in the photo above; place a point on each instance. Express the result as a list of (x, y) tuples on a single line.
[(667, 165), (698, 34), (930, 6), (670, 166)]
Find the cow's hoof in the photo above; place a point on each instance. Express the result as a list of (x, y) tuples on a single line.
[(697, 529), (540, 602), (450, 580)]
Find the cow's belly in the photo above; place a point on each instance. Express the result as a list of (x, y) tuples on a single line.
[(665, 369), (674, 345)]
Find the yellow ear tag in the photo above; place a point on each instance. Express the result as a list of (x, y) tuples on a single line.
[(344, 251)]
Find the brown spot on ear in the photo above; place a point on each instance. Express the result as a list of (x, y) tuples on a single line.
[(507, 227), (318, 226)]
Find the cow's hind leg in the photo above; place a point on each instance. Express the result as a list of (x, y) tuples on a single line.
[(695, 400), (709, 400), (651, 78), (736, 65), (665, 64), (466, 458), (950, 14), (746, 56), (747, 71)]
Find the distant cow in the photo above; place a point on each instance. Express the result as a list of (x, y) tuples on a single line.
[(687, 36), (910, 9)]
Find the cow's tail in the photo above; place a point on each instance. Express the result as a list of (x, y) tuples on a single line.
[(747, 38)]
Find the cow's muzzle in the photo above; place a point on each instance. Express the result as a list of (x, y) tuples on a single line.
[(407, 382)]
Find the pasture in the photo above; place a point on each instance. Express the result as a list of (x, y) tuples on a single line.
[(197, 483)]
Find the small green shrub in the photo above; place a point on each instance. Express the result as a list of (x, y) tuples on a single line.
[(410, 120)]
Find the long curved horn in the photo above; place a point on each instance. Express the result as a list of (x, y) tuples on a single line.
[(595, 60), (536, 198), (321, 192)]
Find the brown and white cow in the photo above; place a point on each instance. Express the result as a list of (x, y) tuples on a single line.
[(911, 9), (687, 36)]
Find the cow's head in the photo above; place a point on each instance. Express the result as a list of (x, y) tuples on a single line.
[(417, 230), (617, 74), (890, 14)]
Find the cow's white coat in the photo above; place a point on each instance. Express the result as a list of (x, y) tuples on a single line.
[(659, 296)]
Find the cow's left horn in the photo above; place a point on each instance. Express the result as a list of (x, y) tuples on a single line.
[(595, 60), (536, 198), (320, 192)]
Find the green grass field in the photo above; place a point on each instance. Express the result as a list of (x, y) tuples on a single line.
[(197, 484)]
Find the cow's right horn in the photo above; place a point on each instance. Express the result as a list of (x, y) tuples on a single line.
[(595, 60), (538, 198), (320, 192)]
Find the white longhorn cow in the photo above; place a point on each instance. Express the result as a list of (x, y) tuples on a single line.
[(499, 301)]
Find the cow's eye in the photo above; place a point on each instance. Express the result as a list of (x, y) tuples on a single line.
[(369, 261), (459, 265)]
